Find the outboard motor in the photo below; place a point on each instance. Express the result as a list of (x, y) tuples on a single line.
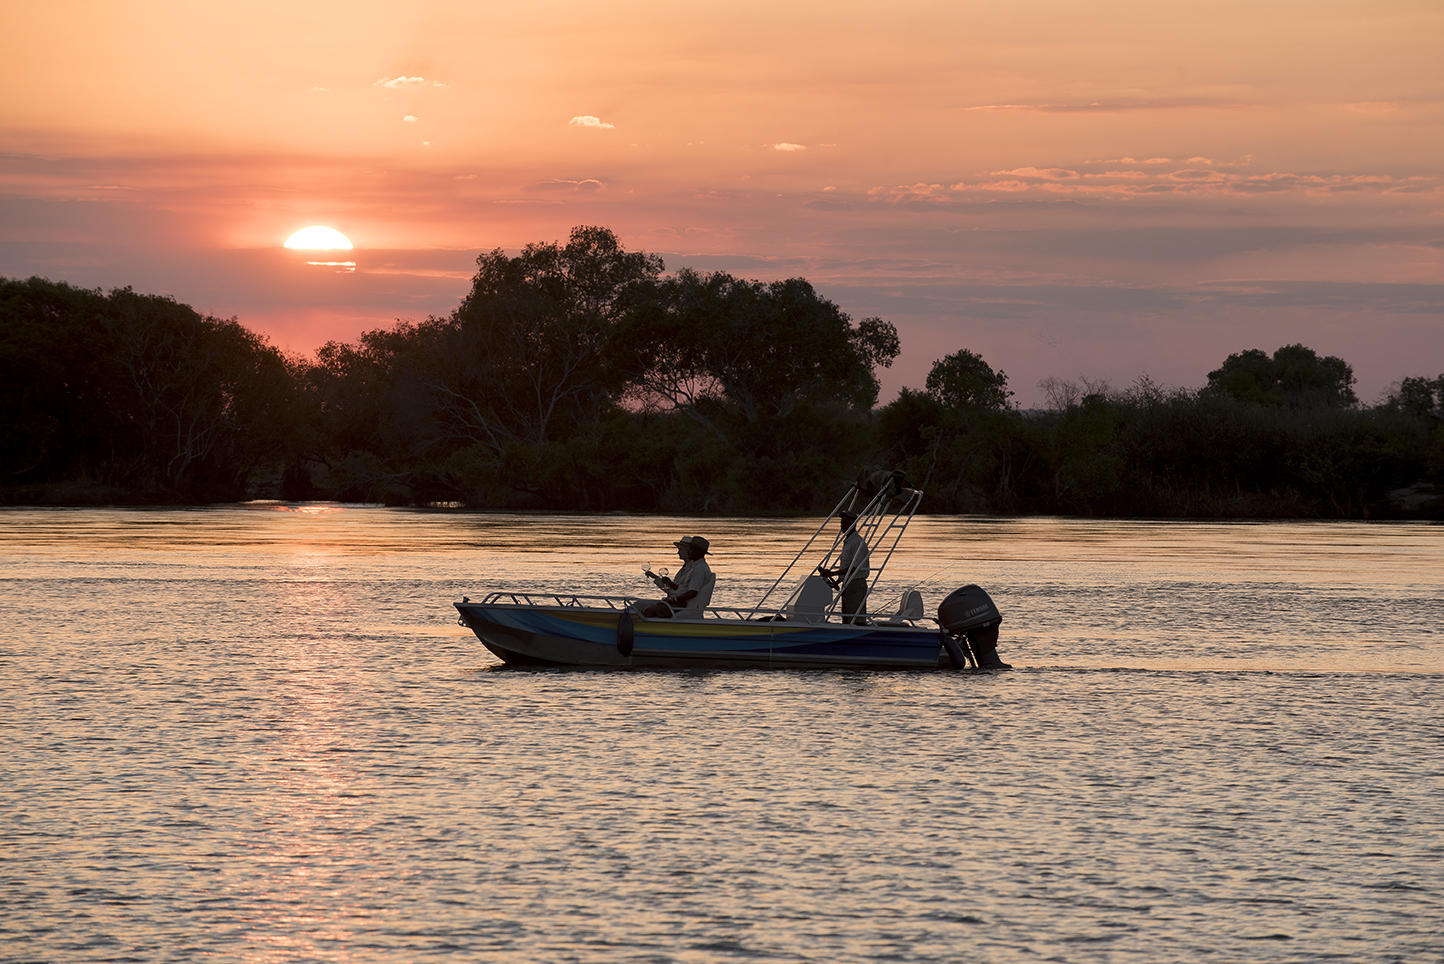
[(969, 612)]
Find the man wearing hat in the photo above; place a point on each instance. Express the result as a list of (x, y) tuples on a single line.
[(691, 592), (852, 570)]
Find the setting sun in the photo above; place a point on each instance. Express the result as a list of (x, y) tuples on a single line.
[(318, 237)]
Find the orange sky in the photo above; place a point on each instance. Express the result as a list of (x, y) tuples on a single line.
[(1094, 189)]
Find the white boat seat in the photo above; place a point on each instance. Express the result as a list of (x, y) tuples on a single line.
[(910, 607), (812, 600)]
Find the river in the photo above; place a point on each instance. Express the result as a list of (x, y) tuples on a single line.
[(256, 733)]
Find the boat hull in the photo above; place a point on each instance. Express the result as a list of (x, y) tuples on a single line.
[(580, 636)]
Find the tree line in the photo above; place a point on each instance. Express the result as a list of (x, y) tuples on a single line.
[(580, 376)]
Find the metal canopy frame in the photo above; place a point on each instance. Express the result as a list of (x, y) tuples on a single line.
[(882, 518)]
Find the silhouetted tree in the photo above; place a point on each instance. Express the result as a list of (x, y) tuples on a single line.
[(525, 354), (964, 380), (714, 345), (1294, 377), (137, 395), (957, 438), (1418, 396), (778, 380)]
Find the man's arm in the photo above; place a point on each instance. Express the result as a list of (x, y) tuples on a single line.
[(661, 582)]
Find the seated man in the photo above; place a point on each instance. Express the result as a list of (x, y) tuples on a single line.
[(691, 591)]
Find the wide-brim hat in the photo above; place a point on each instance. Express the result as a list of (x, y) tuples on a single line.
[(694, 542), (847, 515)]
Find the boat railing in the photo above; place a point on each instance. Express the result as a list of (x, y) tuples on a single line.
[(551, 600), (557, 600)]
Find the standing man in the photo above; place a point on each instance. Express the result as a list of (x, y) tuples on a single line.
[(691, 591), (852, 570)]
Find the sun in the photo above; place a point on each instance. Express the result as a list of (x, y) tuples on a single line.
[(318, 237)]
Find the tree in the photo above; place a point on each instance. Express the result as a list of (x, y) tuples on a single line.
[(482, 399), (1419, 396), (525, 354), (776, 382), (954, 437), (1294, 377), (50, 409), (964, 380), (720, 348), (135, 395), (202, 393)]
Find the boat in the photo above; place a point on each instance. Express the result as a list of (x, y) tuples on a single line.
[(796, 624)]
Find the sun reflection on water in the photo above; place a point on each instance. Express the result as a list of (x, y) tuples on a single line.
[(308, 509)]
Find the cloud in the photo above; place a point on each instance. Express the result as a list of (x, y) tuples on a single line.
[(1115, 106), (1389, 297), (578, 185), (1040, 173), (404, 83), (1242, 161), (411, 118), (590, 120), (913, 193), (1196, 174), (1160, 177), (788, 147)]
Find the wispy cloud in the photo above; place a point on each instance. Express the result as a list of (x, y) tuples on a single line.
[(590, 120), (1222, 100), (1243, 161), (788, 147), (1041, 173), (411, 118), (576, 185), (1117, 106), (1196, 177), (920, 192), (406, 83)]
